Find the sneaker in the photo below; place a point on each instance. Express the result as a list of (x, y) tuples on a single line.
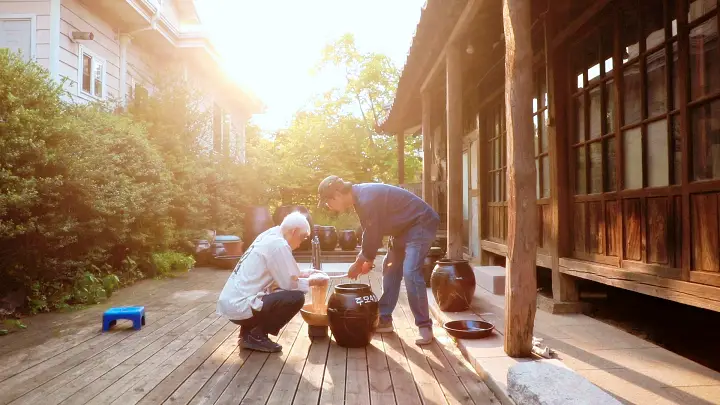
[(384, 327), (260, 344), (426, 337)]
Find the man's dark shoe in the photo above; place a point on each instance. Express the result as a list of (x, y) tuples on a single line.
[(260, 344)]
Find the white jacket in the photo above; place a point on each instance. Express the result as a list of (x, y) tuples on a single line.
[(266, 265)]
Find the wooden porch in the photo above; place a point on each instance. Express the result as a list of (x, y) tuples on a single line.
[(186, 354)]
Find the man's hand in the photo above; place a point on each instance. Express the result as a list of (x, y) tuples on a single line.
[(355, 269), (359, 268)]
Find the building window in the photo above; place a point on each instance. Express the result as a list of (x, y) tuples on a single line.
[(704, 103), (92, 74), (540, 123), (495, 136)]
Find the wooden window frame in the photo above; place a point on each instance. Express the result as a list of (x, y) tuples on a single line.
[(495, 130), (82, 51)]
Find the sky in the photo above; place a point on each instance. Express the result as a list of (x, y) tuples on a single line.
[(272, 46)]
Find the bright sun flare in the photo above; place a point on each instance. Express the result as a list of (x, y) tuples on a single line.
[(273, 46)]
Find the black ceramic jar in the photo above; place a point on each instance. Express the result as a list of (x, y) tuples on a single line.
[(352, 314), (257, 221), (453, 284), (432, 257), (328, 237), (348, 240)]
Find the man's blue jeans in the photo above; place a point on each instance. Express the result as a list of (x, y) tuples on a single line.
[(405, 259)]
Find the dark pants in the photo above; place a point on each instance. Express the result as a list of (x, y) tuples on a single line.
[(277, 310)]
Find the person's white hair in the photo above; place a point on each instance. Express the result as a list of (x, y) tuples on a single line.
[(295, 221)]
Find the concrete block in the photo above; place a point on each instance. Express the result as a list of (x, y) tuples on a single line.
[(490, 278), (545, 383)]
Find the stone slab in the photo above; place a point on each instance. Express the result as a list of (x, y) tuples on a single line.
[(490, 278), (544, 383)]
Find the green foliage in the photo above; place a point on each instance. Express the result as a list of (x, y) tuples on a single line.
[(89, 196), (167, 263), (337, 135)]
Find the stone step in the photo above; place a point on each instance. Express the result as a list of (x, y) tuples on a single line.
[(490, 278)]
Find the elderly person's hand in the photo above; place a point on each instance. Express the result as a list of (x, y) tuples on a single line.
[(359, 268)]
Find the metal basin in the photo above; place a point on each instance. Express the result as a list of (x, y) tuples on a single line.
[(467, 329)]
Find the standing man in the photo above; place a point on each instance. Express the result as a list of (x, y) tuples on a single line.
[(386, 210), (267, 288)]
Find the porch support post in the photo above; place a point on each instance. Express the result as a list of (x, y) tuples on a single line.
[(55, 9), (427, 134), (401, 158), (454, 153), (521, 284), (564, 287)]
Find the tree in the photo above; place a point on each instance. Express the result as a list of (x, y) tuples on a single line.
[(336, 134)]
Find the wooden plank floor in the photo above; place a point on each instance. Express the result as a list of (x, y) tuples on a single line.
[(186, 354)]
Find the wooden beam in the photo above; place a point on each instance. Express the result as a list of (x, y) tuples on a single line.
[(471, 9), (521, 285), (454, 154), (564, 287), (427, 134), (579, 22), (401, 158)]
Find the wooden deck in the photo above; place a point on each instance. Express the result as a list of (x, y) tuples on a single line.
[(186, 354)]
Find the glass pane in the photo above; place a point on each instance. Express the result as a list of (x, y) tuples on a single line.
[(630, 30), (87, 73), (610, 106), (595, 113), (632, 158), (580, 118), (672, 16), (610, 172), (653, 23), (466, 185), (98, 76), (593, 72), (596, 181), (543, 89), (544, 138), (705, 122), (658, 154), (474, 183), (608, 65), (580, 179), (656, 89), (674, 77), (534, 104), (537, 177), (497, 186), (536, 139), (704, 59), (633, 94), (677, 149), (699, 8), (546, 176)]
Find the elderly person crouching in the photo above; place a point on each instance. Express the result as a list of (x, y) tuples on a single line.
[(267, 289)]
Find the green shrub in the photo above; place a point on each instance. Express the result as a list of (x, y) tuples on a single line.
[(91, 200), (168, 263)]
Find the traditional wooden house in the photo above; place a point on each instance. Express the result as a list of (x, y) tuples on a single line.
[(626, 111)]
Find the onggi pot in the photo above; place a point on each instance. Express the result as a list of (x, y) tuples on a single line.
[(257, 221), (352, 314), (328, 237), (432, 257), (453, 284), (348, 240)]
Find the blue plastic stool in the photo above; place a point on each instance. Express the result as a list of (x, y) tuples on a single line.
[(134, 314)]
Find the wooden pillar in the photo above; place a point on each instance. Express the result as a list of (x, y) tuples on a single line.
[(401, 158), (454, 153), (427, 134), (521, 284), (564, 287)]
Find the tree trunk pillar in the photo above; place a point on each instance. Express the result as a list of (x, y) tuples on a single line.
[(521, 285), (427, 191), (454, 153)]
